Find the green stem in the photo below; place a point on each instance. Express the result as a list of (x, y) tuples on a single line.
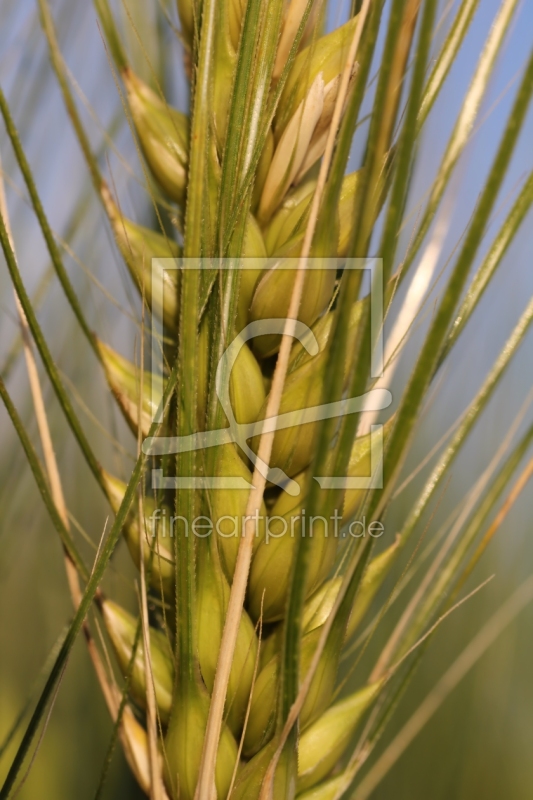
[(187, 361), (186, 465), (490, 263), (449, 574), (406, 147), (43, 222), (431, 351), (469, 420), (59, 68), (463, 126), (198, 156)]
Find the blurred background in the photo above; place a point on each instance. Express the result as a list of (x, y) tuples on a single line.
[(478, 744)]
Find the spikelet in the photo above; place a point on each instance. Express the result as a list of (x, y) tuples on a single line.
[(322, 686), (157, 548), (269, 575), (325, 742), (271, 564), (319, 333), (163, 132), (228, 508), (262, 719), (247, 387), (250, 777), (304, 115), (291, 22), (283, 238), (325, 57), (317, 145), (291, 149), (286, 222), (253, 263), (272, 296), (318, 607), (294, 446), (375, 574), (142, 250), (213, 595), (329, 790), (121, 628), (364, 453), (246, 384), (284, 234), (123, 378), (263, 169), (184, 741)]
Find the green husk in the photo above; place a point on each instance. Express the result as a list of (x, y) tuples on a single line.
[(250, 778), (272, 297), (121, 628), (324, 791), (213, 594), (155, 531), (246, 383), (326, 56), (143, 250), (183, 746), (123, 378), (228, 508), (325, 742), (272, 562), (263, 712), (319, 605), (163, 133)]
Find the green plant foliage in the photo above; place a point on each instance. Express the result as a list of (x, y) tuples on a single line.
[(249, 393)]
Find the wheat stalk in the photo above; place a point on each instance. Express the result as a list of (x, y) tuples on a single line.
[(250, 288)]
